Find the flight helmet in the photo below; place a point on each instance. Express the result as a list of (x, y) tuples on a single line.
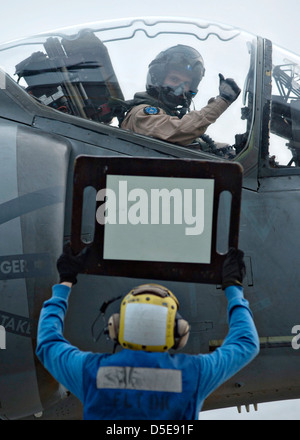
[(183, 59), (149, 320)]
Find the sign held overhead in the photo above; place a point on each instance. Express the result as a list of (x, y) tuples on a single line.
[(155, 218)]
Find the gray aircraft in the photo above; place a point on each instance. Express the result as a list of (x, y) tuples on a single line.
[(61, 95)]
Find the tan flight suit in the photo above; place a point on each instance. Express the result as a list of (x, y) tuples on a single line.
[(172, 129)]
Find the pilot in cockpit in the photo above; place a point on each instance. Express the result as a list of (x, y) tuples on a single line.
[(163, 111)]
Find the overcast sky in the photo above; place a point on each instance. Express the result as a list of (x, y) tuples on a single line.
[(269, 18), (273, 19)]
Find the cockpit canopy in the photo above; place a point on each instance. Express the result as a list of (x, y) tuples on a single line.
[(80, 71), (89, 72)]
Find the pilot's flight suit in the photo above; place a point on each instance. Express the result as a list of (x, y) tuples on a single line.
[(154, 121), (144, 385)]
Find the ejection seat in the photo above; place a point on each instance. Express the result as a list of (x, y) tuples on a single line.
[(73, 75)]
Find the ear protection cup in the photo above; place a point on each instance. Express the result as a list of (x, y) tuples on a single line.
[(181, 333), (113, 326)]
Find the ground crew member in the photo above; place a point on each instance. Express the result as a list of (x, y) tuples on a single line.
[(163, 111), (143, 380)]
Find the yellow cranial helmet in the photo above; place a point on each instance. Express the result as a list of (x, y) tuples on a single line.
[(149, 320)]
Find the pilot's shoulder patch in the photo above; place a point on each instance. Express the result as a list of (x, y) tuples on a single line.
[(149, 110)]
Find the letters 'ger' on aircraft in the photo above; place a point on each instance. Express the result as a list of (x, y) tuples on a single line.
[(54, 94)]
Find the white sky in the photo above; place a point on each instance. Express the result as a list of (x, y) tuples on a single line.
[(273, 19)]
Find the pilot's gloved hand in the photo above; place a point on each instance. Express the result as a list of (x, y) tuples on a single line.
[(228, 89), (234, 268), (69, 265)]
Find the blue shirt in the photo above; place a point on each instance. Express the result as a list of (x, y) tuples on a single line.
[(144, 385)]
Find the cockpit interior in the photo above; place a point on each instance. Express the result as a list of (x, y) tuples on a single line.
[(89, 72)]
